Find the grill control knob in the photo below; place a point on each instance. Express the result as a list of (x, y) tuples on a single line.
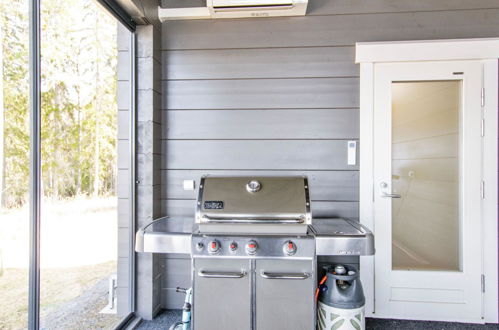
[(289, 248), (251, 247), (213, 247), (233, 247)]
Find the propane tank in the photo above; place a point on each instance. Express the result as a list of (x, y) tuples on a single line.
[(341, 300)]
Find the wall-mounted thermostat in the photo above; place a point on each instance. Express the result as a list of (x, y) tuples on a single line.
[(352, 153)]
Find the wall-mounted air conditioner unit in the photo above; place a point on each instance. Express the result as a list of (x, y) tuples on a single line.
[(237, 9), (256, 8)]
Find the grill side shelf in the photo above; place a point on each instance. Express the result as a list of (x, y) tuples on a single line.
[(165, 235), (342, 237)]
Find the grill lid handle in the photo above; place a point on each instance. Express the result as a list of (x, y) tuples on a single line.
[(231, 218)]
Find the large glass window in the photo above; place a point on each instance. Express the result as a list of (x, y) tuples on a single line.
[(86, 220), (79, 217), (14, 164)]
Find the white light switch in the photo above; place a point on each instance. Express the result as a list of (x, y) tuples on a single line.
[(189, 184), (352, 153)]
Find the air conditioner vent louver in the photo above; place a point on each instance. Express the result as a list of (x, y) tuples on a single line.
[(253, 7)]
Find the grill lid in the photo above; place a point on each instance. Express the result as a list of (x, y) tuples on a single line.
[(253, 200)]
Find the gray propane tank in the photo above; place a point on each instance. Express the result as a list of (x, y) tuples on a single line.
[(341, 300)]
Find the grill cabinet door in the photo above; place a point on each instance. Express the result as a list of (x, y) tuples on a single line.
[(221, 301), (284, 304)]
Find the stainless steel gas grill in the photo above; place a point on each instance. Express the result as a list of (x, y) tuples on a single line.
[(253, 256), (254, 246)]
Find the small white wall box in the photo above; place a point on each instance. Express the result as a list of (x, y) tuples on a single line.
[(189, 184), (352, 153)]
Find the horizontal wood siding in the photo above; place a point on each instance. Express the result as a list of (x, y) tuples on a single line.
[(256, 155), (260, 63), (324, 185), (326, 30), (261, 93), (335, 7), (280, 96), (262, 124)]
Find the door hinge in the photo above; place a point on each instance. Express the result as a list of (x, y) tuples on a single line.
[(482, 97), (483, 283), (482, 189)]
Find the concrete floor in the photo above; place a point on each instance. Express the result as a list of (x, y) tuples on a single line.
[(168, 317)]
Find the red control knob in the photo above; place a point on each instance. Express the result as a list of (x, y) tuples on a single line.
[(214, 247), (289, 248), (251, 247)]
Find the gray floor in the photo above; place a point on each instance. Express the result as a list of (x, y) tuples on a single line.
[(162, 321), (168, 317)]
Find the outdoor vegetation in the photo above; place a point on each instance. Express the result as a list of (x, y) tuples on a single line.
[(79, 111), (78, 100)]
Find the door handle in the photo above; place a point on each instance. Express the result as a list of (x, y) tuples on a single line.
[(383, 186), (203, 273), (285, 276), (385, 195)]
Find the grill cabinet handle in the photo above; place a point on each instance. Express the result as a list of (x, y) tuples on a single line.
[(285, 276), (209, 274)]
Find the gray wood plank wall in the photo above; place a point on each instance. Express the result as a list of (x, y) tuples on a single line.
[(281, 95)]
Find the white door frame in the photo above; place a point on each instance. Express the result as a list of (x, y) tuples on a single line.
[(483, 50)]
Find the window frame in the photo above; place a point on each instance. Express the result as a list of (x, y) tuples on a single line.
[(35, 157)]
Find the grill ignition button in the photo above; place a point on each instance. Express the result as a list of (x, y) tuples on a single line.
[(233, 246)]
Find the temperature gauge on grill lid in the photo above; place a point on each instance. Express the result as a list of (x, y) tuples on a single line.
[(253, 186)]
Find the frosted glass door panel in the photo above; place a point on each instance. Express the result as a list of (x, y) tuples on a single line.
[(425, 173)]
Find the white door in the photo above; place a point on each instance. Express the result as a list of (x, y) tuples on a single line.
[(427, 190)]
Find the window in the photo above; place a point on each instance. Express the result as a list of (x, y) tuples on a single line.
[(86, 165), (14, 164)]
